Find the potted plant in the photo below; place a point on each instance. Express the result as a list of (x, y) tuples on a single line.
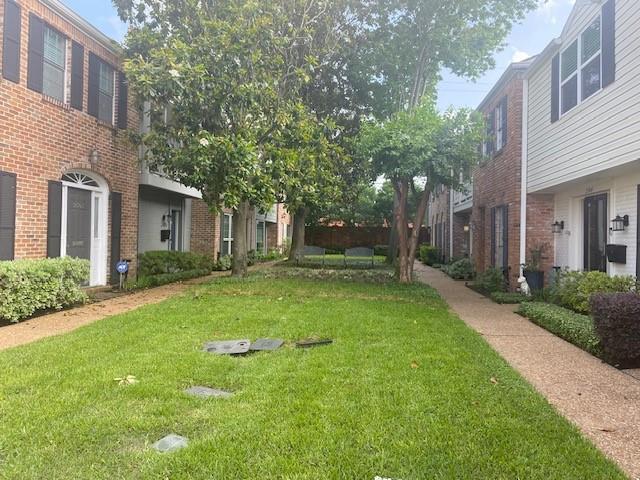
[(533, 268)]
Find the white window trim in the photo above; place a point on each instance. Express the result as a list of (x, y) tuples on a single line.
[(66, 77), (230, 237), (580, 67)]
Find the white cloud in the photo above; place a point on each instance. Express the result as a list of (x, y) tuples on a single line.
[(519, 55), (548, 9)]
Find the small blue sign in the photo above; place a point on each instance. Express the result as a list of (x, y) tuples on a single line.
[(122, 267)]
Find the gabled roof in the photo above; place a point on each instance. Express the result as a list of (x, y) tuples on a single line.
[(522, 66), (554, 45)]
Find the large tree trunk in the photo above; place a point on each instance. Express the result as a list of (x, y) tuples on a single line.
[(392, 254), (239, 249), (402, 189), (417, 225), (297, 237)]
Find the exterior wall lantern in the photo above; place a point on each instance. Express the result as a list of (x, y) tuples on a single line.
[(619, 223), (558, 227), (94, 156)]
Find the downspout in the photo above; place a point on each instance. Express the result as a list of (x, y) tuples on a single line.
[(450, 224), (524, 174)]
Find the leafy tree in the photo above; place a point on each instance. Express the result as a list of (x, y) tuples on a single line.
[(224, 72), (421, 144)]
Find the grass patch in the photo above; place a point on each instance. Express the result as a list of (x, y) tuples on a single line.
[(405, 391), (574, 327)]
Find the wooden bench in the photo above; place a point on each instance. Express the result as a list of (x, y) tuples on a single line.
[(358, 253), (311, 251)]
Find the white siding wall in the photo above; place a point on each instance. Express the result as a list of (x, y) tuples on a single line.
[(600, 133), (623, 197)]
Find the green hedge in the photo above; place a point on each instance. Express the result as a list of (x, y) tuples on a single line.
[(573, 327), (460, 269), (163, 262), (30, 286), (429, 255), (491, 280), (506, 298), (574, 289), (164, 279)]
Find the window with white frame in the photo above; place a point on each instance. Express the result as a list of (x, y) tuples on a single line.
[(106, 92), (261, 238), (581, 67), (227, 234), (54, 65)]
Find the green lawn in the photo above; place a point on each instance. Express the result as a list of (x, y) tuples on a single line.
[(406, 391)]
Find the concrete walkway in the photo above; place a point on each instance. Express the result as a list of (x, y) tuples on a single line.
[(602, 401)]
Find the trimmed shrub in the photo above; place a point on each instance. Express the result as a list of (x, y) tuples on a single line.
[(617, 322), (162, 262), (460, 269), (491, 280), (164, 279), (506, 298), (574, 289), (223, 264), (571, 326), (30, 286), (429, 255)]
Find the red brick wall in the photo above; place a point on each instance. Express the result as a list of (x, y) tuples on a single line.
[(205, 229), (497, 182), (540, 217), (40, 140), (349, 237)]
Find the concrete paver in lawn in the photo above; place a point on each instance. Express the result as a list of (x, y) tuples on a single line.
[(600, 400)]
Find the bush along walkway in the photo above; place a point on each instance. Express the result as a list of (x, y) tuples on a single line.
[(602, 401)]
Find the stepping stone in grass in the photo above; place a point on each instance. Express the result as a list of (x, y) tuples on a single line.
[(264, 344), (229, 347), (170, 443), (313, 342), (206, 392)]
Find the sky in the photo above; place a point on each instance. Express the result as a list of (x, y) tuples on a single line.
[(528, 38)]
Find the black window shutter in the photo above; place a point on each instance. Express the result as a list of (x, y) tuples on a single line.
[(54, 219), (7, 215), (94, 81), (123, 101), (11, 41), (504, 107), (116, 228), (608, 43), (77, 75), (35, 62), (555, 88), (638, 237), (505, 237), (491, 133), (493, 237)]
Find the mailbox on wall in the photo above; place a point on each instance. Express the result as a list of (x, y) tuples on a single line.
[(617, 253)]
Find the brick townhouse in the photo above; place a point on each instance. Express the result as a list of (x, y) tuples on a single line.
[(71, 182), (496, 220), (68, 175)]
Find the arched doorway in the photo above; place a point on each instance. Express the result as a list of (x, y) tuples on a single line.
[(85, 213)]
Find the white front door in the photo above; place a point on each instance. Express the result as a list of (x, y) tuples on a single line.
[(84, 223)]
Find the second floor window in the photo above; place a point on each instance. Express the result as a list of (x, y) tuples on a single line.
[(105, 93), (55, 46), (580, 67)]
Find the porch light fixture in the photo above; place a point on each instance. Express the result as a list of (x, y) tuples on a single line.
[(466, 228), (558, 227), (619, 223), (94, 156)]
